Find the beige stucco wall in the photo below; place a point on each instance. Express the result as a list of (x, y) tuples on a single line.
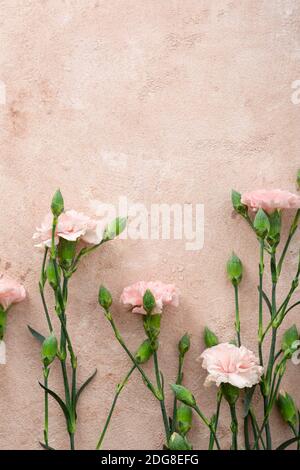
[(193, 97)]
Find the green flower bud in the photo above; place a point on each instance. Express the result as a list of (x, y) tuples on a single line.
[(235, 269), (210, 339), (57, 204), (238, 206), (184, 395), (144, 352), (184, 418), (261, 224), (115, 228), (51, 274), (275, 228), (66, 252), (184, 345), (289, 337), (148, 301), (3, 318), (49, 350), (105, 298), (177, 442), (230, 393), (287, 408), (298, 179)]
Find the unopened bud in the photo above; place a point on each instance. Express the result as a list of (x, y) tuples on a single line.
[(210, 339), (184, 345), (148, 301), (235, 269), (105, 298), (287, 408), (144, 352), (184, 395), (49, 350), (57, 204)]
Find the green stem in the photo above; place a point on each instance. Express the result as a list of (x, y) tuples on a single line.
[(234, 427), (178, 382), (208, 424), (216, 422), (237, 315), (289, 239), (61, 295), (119, 338), (162, 402), (108, 419), (66, 382), (83, 252), (41, 288), (46, 407), (256, 429), (246, 431), (72, 440), (74, 391), (260, 308), (268, 405), (273, 343), (45, 308)]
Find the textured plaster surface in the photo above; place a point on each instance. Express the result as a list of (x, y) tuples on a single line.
[(159, 101)]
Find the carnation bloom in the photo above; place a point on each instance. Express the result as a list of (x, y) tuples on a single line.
[(227, 363), (270, 200), (11, 292), (71, 226), (164, 294)]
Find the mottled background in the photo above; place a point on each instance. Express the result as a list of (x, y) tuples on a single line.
[(160, 101)]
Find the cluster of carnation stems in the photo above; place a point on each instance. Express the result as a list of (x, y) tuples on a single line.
[(235, 371)]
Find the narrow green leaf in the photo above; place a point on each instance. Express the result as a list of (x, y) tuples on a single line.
[(285, 444), (267, 300), (44, 446), (36, 334), (58, 400), (84, 385)]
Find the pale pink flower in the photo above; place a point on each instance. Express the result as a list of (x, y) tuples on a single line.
[(11, 292), (164, 294), (270, 200), (72, 225), (227, 363)]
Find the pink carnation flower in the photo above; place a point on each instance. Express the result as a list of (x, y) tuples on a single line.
[(270, 200), (71, 226), (227, 363), (11, 292), (164, 294)]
